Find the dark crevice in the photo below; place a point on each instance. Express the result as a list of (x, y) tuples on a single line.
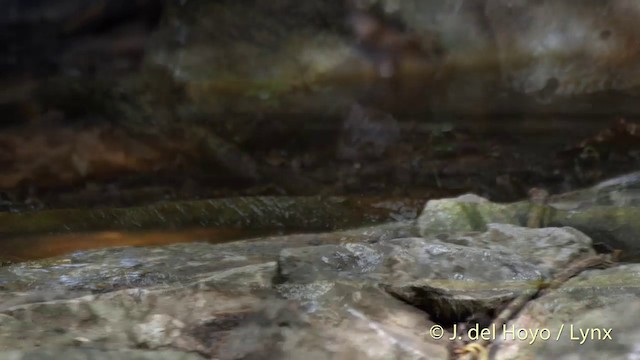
[(445, 313)]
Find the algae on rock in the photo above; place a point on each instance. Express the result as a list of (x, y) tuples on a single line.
[(251, 213)]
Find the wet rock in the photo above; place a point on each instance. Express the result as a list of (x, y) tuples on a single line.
[(328, 262), (160, 330), (86, 354), (182, 297), (201, 316), (463, 214), (610, 227), (619, 191), (104, 270), (126, 319), (368, 293), (121, 268), (354, 331), (548, 248), (449, 278), (453, 282), (467, 274), (607, 212), (604, 299), (621, 323)]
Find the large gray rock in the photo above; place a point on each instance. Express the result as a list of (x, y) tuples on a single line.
[(129, 319), (621, 191), (450, 278), (464, 214), (548, 248), (454, 282), (482, 271), (112, 269), (351, 323), (595, 212), (92, 354), (369, 293), (620, 320), (594, 300), (334, 287), (186, 297)]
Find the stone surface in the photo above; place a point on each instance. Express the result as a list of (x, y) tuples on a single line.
[(548, 248), (336, 287), (121, 268), (133, 318), (92, 354), (368, 293), (357, 324), (621, 191), (594, 300), (344, 292), (610, 227), (186, 297), (593, 211), (620, 319), (463, 214), (476, 272), (453, 282), (452, 278)]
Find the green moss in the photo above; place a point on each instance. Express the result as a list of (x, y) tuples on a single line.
[(255, 213)]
